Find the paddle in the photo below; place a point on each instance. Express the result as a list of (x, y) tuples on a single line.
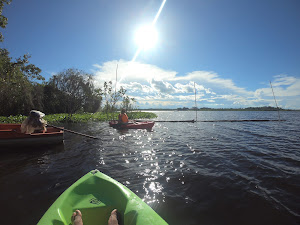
[(171, 121), (73, 132)]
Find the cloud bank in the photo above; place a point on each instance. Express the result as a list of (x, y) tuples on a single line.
[(154, 87)]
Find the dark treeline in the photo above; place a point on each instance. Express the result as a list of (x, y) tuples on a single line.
[(70, 91), (22, 87), (262, 108)]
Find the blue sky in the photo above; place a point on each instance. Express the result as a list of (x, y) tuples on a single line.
[(231, 49)]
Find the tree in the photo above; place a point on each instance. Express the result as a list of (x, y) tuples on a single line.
[(76, 89), (112, 97), (3, 19), (115, 99), (54, 100), (18, 89), (17, 85), (128, 103)]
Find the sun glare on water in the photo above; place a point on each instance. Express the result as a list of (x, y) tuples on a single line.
[(146, 37)]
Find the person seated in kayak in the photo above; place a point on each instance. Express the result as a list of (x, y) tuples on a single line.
[(77, 218), (123, 118), (34, 122)]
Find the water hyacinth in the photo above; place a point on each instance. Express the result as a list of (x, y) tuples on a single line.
[(12, 119), (80, 118)]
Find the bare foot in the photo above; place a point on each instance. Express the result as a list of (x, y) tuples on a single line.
[(77, 218), (113, 218)]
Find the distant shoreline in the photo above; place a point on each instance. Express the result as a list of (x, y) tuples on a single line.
[(223, 109)]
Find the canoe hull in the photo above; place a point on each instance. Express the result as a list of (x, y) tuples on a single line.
[(132, 125), (96, 195), (11, 136)]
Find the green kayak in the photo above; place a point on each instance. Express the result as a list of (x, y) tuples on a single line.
[(96, 195)]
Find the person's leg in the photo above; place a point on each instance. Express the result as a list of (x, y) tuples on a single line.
[(113, 218), (77, 218)]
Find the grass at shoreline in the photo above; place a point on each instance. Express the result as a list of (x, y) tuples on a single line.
[(79, 118)]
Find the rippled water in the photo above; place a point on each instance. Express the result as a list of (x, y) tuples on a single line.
[(189, 173)]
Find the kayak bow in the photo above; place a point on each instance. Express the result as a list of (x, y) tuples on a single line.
[(96, 195)]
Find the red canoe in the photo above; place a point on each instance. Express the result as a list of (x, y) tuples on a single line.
[(11, 136), (132, 125)]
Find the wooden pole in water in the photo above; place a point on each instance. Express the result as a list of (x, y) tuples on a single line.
[(195, 100), (116, 79), (275, 101), (73, 132), (115, 89)]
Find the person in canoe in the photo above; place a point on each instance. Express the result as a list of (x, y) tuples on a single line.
[(123, 118), (34, 122), (77, 218)]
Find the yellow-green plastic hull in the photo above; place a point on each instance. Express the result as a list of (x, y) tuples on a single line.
[(96, 195)]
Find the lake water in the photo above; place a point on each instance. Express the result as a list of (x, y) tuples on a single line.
[(189, 173)]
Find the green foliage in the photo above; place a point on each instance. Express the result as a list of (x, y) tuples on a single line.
[(111, 97), (77, 118), (3, 19), (54, 100), (19, 92), (70, 91), (141, 115), (12, 119), (116, 99), (128, 103)]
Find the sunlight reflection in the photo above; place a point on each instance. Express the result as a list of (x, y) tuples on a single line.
[(101, 161), (151, 189)]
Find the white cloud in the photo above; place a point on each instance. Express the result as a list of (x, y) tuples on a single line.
[(282, 79), (162, 87), (154, 87), (131, 72), (214, 80), (283, 86), (190, 88), (184, 88), (136, 87)]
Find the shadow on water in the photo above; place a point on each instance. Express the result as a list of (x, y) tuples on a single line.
[(13, 159), (23, 183)]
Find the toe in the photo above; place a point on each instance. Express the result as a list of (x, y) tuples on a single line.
[(76, 217), (73, 216), (78, 213)]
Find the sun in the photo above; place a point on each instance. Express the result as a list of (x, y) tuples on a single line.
[(146, 37)]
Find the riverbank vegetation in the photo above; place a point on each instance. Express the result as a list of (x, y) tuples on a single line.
[(80, 117), (71, 91), (23, 88)]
